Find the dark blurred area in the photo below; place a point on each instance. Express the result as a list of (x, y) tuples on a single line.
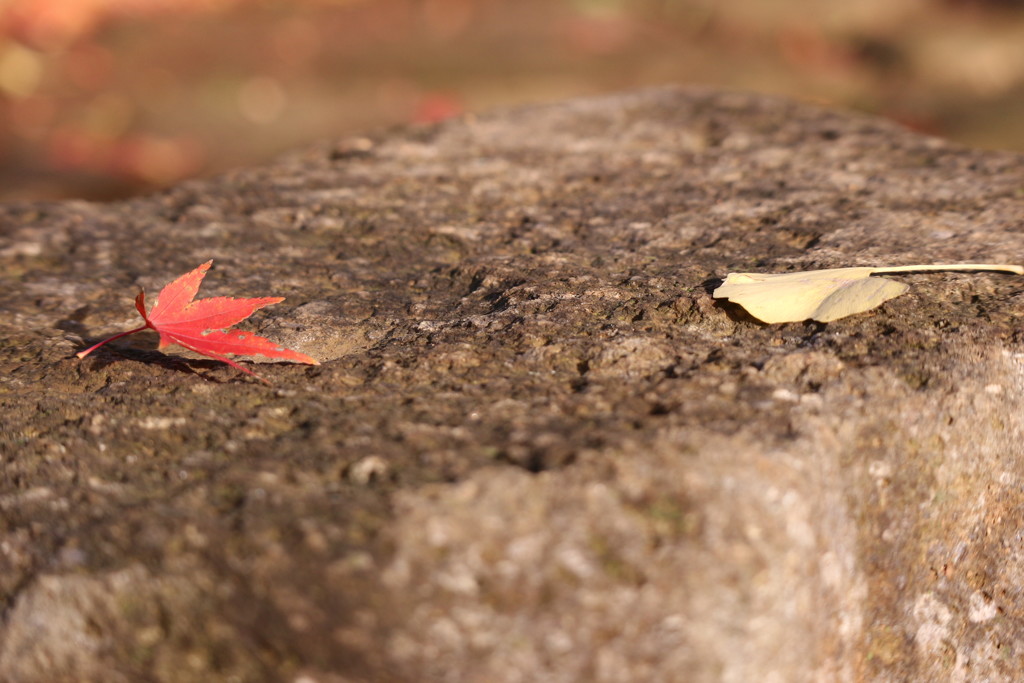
[(102, 99)]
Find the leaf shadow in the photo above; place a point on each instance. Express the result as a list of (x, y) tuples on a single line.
[(73, 322), (711, 284), (147, 353), (735, 312)]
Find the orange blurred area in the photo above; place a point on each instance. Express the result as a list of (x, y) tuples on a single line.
[(105, 98)]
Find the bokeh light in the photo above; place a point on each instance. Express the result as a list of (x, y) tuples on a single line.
[(106, 98)]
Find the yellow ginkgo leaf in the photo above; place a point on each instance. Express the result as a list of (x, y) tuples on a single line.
[(824, 295)]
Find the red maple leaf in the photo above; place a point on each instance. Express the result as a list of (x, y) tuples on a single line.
[(204, 326)]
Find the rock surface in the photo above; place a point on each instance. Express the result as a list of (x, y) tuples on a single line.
[(536, 449)]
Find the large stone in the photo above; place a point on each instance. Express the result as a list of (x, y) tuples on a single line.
[(537, 449)]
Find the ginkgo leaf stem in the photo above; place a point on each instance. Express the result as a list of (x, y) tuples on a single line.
[(1019, 270), (83, 354)]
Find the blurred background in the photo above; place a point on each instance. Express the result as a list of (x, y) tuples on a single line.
[(101, 99)]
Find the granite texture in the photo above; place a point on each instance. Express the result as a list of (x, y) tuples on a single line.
[(536, 448)]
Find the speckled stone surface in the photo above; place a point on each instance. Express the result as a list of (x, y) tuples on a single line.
[(536, 448)]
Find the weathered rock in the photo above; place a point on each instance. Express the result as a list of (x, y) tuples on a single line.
[(536, 449)]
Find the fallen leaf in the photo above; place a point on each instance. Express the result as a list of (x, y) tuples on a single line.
[(204, 326), (824, 295)]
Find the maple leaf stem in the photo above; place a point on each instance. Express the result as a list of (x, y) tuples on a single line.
[(83, 354)]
